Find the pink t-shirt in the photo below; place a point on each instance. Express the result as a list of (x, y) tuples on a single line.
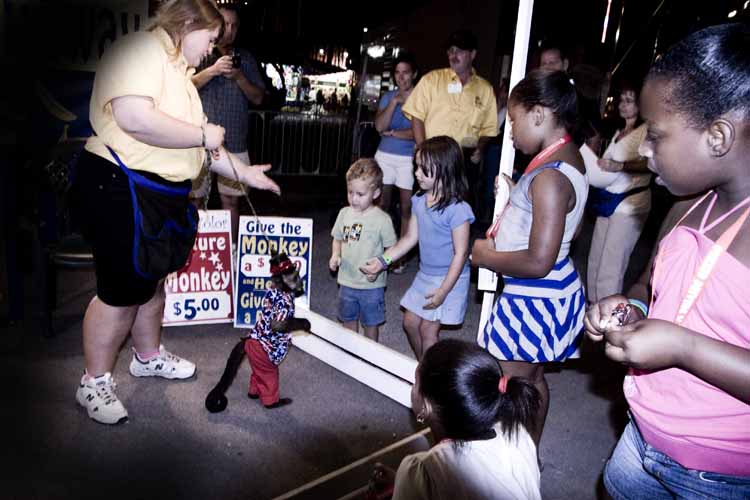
[(696, 424)]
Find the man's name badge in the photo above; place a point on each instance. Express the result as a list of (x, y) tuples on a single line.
[(454, 88)]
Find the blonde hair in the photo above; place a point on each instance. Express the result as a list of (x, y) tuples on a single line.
[(180, 17), (366, 168)]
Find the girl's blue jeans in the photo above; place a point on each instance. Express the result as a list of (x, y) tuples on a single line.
[(636, 471)]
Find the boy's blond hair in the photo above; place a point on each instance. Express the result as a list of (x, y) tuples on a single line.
[(366, 168)]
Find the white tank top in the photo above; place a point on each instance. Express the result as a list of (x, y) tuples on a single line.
[(515, 227)]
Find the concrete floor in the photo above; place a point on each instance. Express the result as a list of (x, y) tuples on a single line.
[(173, 448)]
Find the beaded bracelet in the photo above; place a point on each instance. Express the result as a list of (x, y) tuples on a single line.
[(640, 305)]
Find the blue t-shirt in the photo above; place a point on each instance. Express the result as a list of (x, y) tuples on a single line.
[(392, 145), (436, 234)]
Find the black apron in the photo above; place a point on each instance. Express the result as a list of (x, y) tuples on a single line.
[(165, 224)]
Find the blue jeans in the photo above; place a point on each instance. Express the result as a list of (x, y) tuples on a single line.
[(636, 471), (365, 305)]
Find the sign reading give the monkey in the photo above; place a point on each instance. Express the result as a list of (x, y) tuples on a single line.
[(258, 240)]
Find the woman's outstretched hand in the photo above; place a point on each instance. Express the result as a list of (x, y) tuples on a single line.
[(255, 176)]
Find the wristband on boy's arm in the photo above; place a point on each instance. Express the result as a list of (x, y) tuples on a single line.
[(640, 305), (385, 261)]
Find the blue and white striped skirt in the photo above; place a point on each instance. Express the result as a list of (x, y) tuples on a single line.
[(537, 320)]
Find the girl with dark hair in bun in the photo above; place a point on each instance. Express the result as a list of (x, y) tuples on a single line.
[(538, 318), (478, 417)]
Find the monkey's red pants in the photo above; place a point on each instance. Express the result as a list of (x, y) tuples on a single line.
[(264, 381)]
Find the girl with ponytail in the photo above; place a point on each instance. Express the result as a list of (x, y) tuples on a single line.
[(479, 419)]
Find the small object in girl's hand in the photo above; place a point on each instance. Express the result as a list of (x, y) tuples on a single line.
[(621, 313), (502, 196), (493, 229), (619, 316)]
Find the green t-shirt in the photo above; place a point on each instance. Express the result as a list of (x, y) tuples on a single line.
[(362, 236)]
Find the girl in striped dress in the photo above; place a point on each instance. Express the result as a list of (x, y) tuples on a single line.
[(538, 318)]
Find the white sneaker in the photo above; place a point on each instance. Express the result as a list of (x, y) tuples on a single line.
[(97, 395), (165, 365)]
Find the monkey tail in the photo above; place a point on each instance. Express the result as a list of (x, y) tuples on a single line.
[(216, 401)]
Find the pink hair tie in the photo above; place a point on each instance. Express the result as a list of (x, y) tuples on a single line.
[(503, 385)]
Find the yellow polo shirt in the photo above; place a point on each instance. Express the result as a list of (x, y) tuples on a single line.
[(145, 63), (463, 112)]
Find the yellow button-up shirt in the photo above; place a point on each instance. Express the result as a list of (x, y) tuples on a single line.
[(146, 63), (463, 112)]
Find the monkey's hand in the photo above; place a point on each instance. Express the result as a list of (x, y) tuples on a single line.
[(291, 325)]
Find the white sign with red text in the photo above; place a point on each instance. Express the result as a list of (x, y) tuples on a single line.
[(202, 292)]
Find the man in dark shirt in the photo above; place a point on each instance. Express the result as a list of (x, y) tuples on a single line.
[(226, 91)]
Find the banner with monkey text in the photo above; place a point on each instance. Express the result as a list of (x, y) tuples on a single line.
[(259, 239), (202, 291)]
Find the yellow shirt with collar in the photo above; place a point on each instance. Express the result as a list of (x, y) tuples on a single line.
[(146, 63), (463, 112)]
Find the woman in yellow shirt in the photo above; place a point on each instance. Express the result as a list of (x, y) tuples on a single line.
[(131, 191)]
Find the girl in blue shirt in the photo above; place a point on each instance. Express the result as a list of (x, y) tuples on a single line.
[(439, 222)]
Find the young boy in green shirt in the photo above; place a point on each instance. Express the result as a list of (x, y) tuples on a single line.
[(362, 231)]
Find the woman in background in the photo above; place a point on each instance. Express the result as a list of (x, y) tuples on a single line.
[(620, 198)]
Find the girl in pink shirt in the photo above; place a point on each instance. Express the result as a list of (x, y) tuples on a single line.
[(689, 352)]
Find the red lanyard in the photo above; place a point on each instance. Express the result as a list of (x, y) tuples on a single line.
[(706, 267), (539, 159)]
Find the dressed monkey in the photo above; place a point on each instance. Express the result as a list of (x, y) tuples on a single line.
[(268, 342)]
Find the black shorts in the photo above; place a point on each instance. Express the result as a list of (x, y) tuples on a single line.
[(103, 208)]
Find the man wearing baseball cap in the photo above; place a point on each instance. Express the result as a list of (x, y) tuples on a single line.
[(456, 102)]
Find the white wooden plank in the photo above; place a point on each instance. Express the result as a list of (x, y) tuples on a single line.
[(372, 376), (377, 354)]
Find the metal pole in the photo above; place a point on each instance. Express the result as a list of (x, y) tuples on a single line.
[(359, 102), (517, 71)]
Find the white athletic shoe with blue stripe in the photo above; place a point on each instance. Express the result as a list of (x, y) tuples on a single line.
[(165, 365), (97, 395)]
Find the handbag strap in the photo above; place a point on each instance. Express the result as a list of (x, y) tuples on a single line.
[(146, 182)]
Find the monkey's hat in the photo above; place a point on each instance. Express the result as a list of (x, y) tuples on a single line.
[(280, 264)]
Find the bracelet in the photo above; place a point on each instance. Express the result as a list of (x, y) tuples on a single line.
[(640, 305), (383, 262), (387, 259)]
